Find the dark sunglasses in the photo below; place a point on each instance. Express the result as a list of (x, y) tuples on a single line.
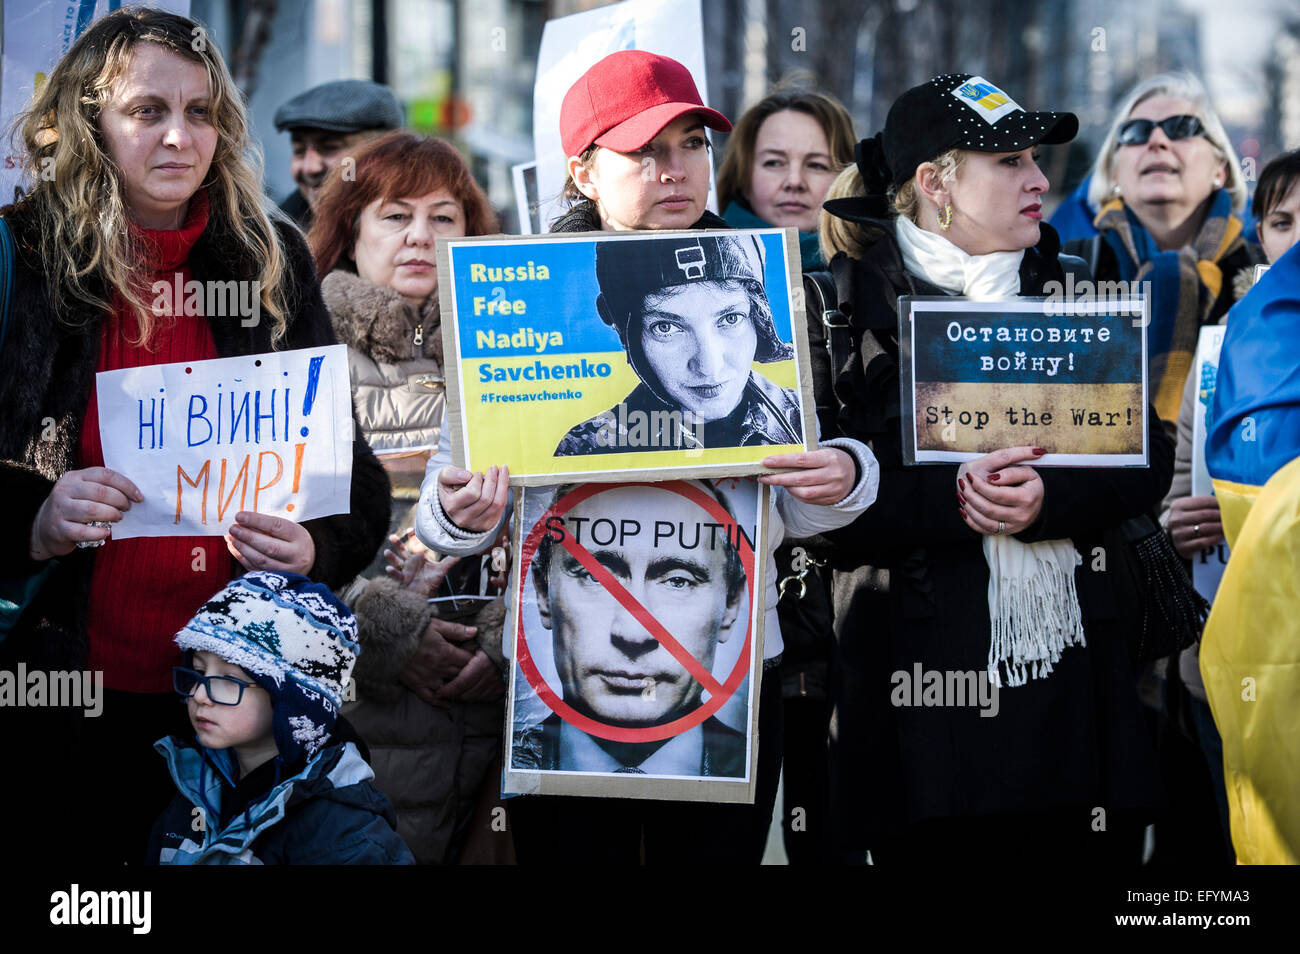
[(1135, 132), (223, 690)]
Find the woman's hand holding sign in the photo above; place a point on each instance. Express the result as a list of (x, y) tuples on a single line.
[(80, 500), (262, 542), (474, 501), (823, 477), (995, 496)]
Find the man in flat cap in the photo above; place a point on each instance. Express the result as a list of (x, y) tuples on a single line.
[(324, 123)]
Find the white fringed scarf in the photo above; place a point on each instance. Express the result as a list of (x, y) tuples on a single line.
[(1033, 603)]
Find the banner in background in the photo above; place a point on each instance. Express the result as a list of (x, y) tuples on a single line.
[(1207, 568), (36, 35)]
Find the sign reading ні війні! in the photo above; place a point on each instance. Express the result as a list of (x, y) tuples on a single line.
[(1069, 377), (204, 440)]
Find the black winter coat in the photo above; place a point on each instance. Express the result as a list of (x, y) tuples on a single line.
[(1072, 740), (47, 371)]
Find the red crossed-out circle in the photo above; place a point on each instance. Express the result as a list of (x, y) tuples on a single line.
[(718, 694)]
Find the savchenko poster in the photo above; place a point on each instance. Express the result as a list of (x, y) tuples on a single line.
[(636, 626), (617, 356), (1068, 376)]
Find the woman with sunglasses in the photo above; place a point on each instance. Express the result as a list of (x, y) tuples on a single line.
[(1169, 189)]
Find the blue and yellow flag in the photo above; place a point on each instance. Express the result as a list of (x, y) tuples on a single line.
[(1250, 653)]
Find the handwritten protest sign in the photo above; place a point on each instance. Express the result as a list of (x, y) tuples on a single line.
[(982, 375), (1208, 566), (206, 439), (624, 355), (636, 628)]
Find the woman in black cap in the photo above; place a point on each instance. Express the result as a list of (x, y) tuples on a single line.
[(1003, 587)]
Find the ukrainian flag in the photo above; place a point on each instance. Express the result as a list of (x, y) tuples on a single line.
[(1250, 653)]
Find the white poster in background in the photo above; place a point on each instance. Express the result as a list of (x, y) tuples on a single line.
[(571, 45), (36, 35), (204, 440), (524, 176), (1208, 566)]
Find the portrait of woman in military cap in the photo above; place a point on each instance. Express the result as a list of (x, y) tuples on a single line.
[(693, 316)]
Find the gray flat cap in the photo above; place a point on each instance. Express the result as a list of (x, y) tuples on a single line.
[(344, 106)]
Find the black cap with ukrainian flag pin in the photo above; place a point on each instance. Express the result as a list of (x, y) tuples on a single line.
[(959, 111)]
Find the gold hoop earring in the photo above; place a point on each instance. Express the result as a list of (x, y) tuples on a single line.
[(945, 216)]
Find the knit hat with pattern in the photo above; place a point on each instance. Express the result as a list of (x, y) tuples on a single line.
[(295, 639)]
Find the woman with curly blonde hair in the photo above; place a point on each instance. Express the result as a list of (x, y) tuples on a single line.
[(141, 173)]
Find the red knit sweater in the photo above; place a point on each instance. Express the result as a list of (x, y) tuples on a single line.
[(144, 589)]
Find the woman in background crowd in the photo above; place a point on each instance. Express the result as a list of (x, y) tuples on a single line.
[(781, 158), (996, 585), (1169, 187), (429, 689), (148, 136), (783, 155)]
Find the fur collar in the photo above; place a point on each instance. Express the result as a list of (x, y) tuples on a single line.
[(377, 321)]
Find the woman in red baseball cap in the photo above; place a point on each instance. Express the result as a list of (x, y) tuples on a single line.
[(633, 127)]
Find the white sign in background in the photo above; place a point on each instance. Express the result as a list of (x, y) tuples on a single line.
[(571, 45), (1208, 566), (206, 439), (36, 35)]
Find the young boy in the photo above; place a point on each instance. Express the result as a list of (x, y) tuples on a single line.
[(271, 781)]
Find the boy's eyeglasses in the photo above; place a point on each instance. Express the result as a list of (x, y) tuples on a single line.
[(1135, 132), (223, 690)]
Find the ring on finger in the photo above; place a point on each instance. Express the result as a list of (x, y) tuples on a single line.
[(1002, 527), (1196, 530), (85, 544)]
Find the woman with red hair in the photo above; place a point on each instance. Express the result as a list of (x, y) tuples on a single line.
[(428, 700)]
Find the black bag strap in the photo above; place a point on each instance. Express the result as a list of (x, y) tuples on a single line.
[(7, 255), (829, 287), (1088, 249)]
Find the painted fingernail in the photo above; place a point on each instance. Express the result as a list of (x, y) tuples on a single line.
[(962, 512), (1039, 452), (961, 483), (961, 498), (993, 478)]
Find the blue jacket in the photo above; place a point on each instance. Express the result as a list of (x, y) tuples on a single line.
[(330, 813), (1073, 217)]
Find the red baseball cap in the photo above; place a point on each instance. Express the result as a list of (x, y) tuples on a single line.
[(623, 102)]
